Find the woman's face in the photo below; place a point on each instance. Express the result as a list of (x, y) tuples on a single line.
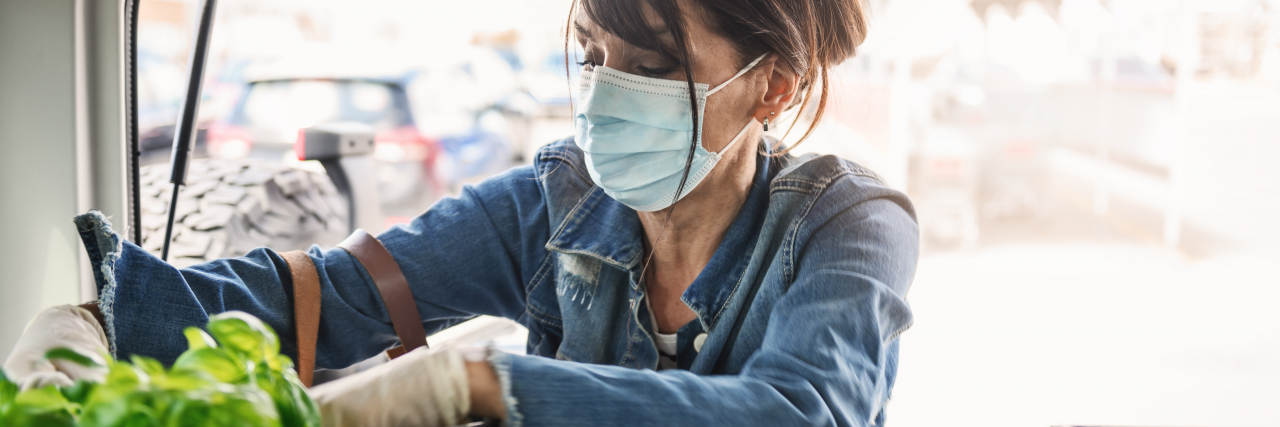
[(713, 60)]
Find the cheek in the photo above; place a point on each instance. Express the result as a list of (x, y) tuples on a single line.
[(727, 111)]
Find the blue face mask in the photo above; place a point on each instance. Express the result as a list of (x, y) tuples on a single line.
[(635, 132)]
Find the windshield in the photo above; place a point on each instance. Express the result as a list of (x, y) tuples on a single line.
[(294, 104)]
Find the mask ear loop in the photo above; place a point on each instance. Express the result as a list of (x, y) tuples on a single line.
[(736, 138), (744, 70), (740, 73)]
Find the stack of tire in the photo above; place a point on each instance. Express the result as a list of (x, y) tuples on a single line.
[(230, 207)]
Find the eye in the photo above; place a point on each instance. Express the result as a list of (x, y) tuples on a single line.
[(586, 63), (655, 72)]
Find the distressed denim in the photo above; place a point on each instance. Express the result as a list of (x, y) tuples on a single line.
[(802, 303)]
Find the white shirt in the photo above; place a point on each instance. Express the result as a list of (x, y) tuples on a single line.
[(666, 350), (666, 343)]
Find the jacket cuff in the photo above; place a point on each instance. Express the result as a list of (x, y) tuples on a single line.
[(501, 363), (104, 246)]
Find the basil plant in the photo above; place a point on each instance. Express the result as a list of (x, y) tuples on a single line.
[(232, 375)]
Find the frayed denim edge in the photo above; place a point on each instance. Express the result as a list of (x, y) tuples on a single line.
[(501, 363), (98, 223)]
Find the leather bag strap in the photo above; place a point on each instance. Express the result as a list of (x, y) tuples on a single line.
[(306, 310), (393, 287)]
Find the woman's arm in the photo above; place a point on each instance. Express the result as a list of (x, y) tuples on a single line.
[(828, 355), (485, 391), (465, 256)]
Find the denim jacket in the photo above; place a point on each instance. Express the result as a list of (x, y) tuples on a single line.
[(801, 304)]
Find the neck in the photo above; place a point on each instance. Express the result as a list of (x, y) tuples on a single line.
[(682, 245)]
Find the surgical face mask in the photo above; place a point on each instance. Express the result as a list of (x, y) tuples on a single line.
[(635, 132)]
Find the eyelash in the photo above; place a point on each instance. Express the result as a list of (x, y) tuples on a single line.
[(655, 72), (651, 72)]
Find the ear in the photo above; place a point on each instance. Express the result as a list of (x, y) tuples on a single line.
[(783, 85)]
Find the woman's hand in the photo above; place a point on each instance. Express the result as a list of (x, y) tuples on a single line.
[(63, 326), (426, 387)]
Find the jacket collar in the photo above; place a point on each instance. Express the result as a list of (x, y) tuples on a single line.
[(605, 229), (602, 228)]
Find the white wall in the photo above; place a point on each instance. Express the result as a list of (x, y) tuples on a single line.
[(40, 250)]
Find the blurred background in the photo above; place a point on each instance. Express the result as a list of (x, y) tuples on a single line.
[(1096, 181)]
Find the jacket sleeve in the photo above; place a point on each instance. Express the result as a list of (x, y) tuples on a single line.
[(827, 357), (464, 257)]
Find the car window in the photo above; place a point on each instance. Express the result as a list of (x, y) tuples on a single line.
[(293, 104)]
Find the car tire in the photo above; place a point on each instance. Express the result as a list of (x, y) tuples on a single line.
[(230, 207)]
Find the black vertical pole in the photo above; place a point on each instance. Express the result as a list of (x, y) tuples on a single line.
[(131, 92), (185, 129)]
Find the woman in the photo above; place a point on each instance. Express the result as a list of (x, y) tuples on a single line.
[(672, 264)]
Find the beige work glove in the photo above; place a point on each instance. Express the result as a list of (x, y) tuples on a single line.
[(62, 326), (423, 388)]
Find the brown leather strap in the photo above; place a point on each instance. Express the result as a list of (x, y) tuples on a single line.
[(306, 310), (393, 287)]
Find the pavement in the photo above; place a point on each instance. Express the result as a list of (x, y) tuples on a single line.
[(1080, 319)]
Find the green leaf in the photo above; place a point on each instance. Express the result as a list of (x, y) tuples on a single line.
[(44, 398), (244, 335), (190, 412), (122, 381), (63, 353), (20, 416), (247, 405), (186, 381), (198, 339), (107, 412), (292, 401), (283, 363), (78, 392), (40, 407), (8, 391), (214, 361), (151, 366), (140, 416)]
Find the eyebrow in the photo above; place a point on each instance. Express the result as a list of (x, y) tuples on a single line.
[(583, 31), (658, 31)]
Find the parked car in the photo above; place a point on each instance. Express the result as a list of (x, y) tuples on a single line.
[(264, 125), (547, 84)]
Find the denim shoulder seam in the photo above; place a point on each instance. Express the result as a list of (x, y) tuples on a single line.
[(820, 187), (797, 188), (789, 244), (843, 167), (561, 159)]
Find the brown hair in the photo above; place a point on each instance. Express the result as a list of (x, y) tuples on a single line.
[(807, 36)]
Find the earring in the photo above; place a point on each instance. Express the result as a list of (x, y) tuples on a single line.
[(766, 124)]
